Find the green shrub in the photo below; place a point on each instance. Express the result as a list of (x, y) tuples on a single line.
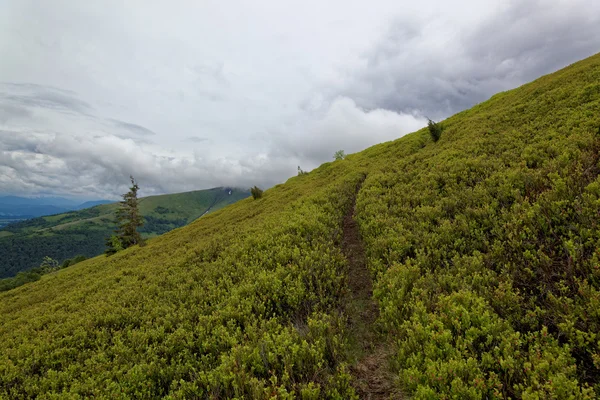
[(256, 192), (435, 130), (20, 279), (113, 245), (73, 261)]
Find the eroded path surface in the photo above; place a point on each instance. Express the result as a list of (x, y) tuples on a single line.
[(373, 378)]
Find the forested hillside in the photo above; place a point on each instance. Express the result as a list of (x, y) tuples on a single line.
[(23, 245), (481, 250)]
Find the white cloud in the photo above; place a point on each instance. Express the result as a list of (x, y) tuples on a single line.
[(343, 125)]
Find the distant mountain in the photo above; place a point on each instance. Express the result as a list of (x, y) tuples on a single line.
[(30, 211), (65, 234), (15, 208), (94, 203), (37, 201), (14, 213)]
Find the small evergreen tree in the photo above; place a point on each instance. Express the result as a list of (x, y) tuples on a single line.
[(435, 130), (339, 155), (129, 220), (256, 192)]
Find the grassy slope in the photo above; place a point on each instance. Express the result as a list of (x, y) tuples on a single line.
[(482, 246), (62, 236), (485, 244)]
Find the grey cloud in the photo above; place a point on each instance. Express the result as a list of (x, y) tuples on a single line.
[(140, 140), (14, 141), (133, 128), (197, 139), (31, 95), (12, 111), (342, 126), (88, 165), (34, 87), (409, 72)]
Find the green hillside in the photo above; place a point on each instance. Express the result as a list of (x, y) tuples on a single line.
[(466, 268), (62, 236)]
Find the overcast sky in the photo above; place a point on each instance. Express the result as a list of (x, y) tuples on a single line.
[(190, 95)]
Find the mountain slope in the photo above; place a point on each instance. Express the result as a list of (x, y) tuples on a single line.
[(23, 245), (482, 249)]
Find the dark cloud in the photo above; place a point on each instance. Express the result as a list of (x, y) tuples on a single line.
[(428, 67)]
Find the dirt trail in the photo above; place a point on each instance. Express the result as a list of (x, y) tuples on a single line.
[(373, 379)]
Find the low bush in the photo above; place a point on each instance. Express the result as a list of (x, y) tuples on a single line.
[(435, 130), (256, 192)]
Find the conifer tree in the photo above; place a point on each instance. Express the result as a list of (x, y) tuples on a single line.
[(435, 129), (129, 220)]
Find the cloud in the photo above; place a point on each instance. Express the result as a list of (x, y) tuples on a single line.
[(19, 95), (196, 139), (343, 125), (248, 104), (100, 165), (11, 111), (12, 140), (214, 73), (133, 128), (431, 67), (80, 164)]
